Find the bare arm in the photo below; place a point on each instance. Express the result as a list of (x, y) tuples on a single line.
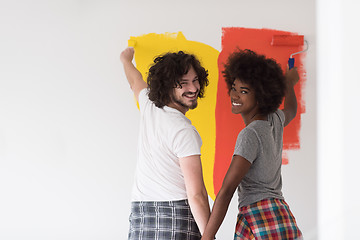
[(195, 189), (238, 168), (133, 75), (290, 102)]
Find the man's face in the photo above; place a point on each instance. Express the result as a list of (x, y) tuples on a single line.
[(186, 94)]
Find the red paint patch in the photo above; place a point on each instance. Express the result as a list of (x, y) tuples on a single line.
[(228, 125)]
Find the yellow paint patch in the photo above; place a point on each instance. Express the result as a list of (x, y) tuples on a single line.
[(147, 47)]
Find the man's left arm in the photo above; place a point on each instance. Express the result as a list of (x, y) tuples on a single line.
[(195, 189)]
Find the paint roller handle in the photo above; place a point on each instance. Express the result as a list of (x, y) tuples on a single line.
[(291, 62)]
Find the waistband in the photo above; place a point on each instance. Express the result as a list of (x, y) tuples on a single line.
[(183, 202)]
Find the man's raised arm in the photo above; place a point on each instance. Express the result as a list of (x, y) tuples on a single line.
[(133, 75)]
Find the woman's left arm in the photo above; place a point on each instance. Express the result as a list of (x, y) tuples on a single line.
[(290, 102), (238, 168)]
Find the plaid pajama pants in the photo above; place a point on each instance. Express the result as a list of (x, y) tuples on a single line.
[(266, 219), (170, 220)]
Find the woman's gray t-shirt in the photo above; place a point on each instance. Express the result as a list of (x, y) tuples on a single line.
[(261, 143)]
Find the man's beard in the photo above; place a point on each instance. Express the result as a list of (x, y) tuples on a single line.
[(193, 105)]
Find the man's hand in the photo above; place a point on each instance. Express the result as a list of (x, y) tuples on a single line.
[(127, 55)]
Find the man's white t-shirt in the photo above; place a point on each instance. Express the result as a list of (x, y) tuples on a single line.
[(165, 135)]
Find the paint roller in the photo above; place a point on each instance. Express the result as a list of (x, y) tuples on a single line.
[(290, 40), (131, 43)]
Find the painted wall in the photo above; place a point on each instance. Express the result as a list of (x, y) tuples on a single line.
[(69, 122)]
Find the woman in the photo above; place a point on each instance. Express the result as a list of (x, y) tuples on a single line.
[(257, 87)]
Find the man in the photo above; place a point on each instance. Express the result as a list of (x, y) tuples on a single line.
[(169, 199)]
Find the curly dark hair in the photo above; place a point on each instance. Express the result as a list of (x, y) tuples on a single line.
[(262, 74), (165, 73)]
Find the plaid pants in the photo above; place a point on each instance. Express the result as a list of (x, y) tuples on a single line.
[(170, 220), (266, 219)]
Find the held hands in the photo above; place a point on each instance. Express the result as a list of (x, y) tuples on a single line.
[(292, 76), (127, 55)]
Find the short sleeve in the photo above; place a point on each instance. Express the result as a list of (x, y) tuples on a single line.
[(143, 99), (247, 145), (280, 114), (187, 142)]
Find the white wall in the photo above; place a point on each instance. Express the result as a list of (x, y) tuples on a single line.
[(68, 120), (338, 116)]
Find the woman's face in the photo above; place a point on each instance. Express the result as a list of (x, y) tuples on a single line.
[(243, 99)]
